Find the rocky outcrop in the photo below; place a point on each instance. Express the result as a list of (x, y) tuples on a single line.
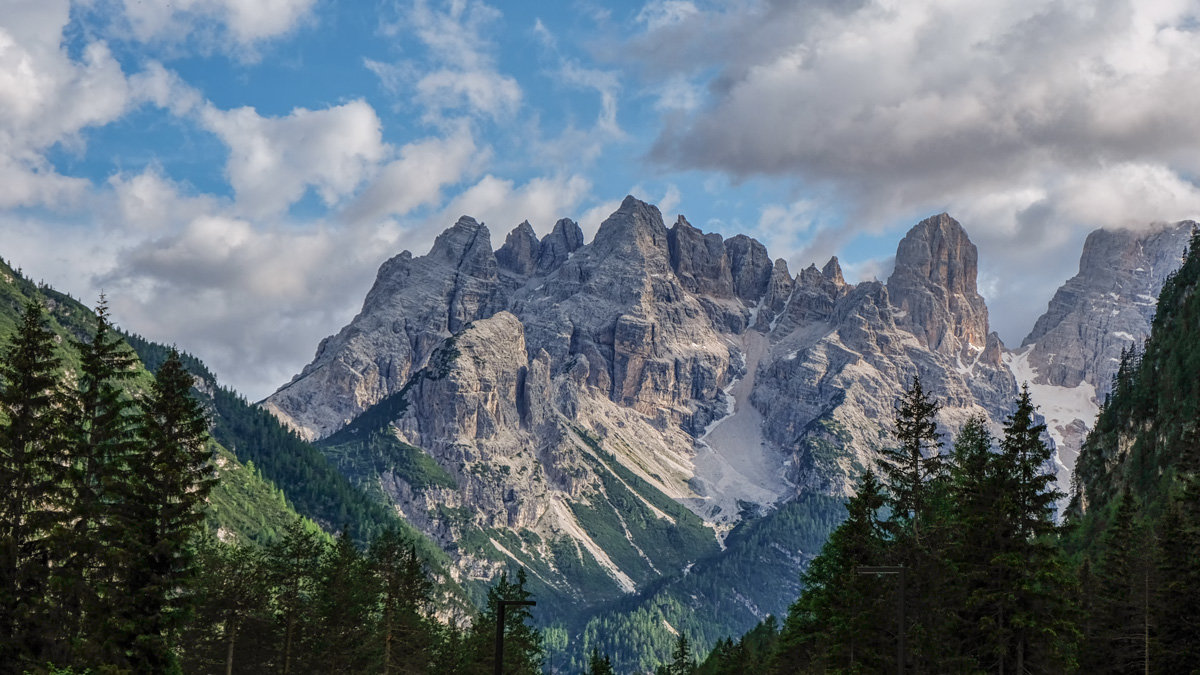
[(933, 286), (414, 305), (699, 260), (749, 267), (521, 251), (557, 247), (1106, 307), (1072, 353)]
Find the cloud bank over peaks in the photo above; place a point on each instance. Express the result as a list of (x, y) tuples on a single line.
[(902, 105)]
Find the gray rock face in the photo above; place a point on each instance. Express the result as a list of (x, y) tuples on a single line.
[(703, 371), (414, 305), (749, 266), (520, 251), (1108, 306), (933, 286), (699, 260), (556, 247), (1072, 353)]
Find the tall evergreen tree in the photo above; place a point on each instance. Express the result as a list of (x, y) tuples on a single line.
[(916, 476), (523, 654), (844, 620), (102, 441), (599, 665), (171, 473), (977, 515), (345, 599), (232, 624), (909, 469), (1178, 602), (1030, 586), (31, 473), (293, 568), (1121, 626), (406, 637), (683, 662)]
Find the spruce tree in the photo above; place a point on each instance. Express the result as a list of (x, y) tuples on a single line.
[(599, 665), (231, 625), (102, 440), (293, 566), (171, 473), (1029, 595), (1121, 626), (843, 619), (405, 635), (346, 595), (522, 641), (683, 662), (916, 476), (909, 469), (978, 516), (1178, 602), (31, 473)]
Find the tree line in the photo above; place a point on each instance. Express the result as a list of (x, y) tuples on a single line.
[(308, 604), (106, 565)]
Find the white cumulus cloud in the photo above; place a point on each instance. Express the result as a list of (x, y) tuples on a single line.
[(274, 161)]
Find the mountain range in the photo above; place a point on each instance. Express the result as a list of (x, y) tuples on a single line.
[(643, 419)]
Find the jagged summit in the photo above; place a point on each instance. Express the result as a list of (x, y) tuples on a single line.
[(520, 251), (465, 239), (636, 225), (832, 271), (934, 286), (557, 247), (700, 260)]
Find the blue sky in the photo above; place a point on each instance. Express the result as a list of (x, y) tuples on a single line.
[(232, 172)]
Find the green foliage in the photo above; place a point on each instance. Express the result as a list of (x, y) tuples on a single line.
[(32, 457), (170, 478), (761, 554), (836, 621), (969, 537), (307, 604), (381, 452)]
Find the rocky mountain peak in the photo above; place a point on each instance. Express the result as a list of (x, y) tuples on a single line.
[(832, 271), (635, 225), (520, 251), (699, 260), (557, 247), (1106, 307), (937, 252), (466, 242), (749, 267), (934, 287)]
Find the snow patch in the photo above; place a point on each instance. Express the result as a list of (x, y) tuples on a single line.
[(1063, 407)]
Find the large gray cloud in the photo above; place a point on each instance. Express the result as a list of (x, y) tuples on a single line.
[(1029, 120)]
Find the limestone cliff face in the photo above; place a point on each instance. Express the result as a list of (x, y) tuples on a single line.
[(1072, 353), (1106, 307), (559, 403), (842, 354), (415, 304), (933, 286)]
